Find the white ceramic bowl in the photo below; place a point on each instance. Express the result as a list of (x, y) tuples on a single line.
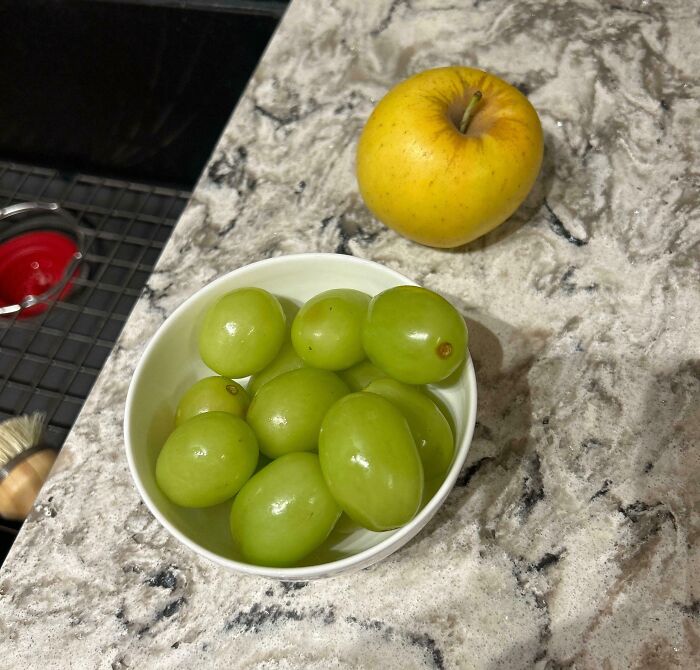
[(171, 363)]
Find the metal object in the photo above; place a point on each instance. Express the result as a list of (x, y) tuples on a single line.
[(48, 363), (61, 221)]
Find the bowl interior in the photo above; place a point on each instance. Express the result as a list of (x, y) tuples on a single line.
[(171, 363)]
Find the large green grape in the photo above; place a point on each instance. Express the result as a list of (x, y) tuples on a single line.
[(284, 511), (242, 332), (429, 427), (370, 461), (327, 331), (212, 394), (206, 459), (286, 413), (414, 335), (361, 375), (285, 361)]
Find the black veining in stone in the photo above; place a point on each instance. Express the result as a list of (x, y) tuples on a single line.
[(566, 284), (252, 620), (349, 105), (349, 231), (546, 560), (571, 286), (281, 120), (231, 169), (557, 226), (466, 475), (384, 23), (428, 643), (171, 608), (539, 600), (533, 487), (692, 610), (228, 228), (602, 490), (634, 510), (648, 519), (324, 614), (129, 624), (152, 297), (631, 10), (162, 290), (343, 248), (290, 587), (165, 579), (422, 640)]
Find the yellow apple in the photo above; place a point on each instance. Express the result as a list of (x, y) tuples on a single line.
[(449, 154)]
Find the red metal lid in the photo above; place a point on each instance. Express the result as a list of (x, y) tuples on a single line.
[(33, 262)]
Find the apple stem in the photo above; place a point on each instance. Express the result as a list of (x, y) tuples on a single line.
[(469, 112)]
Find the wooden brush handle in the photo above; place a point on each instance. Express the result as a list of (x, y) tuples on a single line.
[(19, 489)]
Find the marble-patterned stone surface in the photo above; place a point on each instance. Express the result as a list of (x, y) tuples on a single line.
[(571, 538)]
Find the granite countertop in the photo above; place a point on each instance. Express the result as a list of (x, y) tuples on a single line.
[(571, 538)]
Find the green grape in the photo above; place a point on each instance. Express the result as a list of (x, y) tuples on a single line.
[(286, 413), (361, 375), (283, 512), (430, 429), (242, 332), (370, 461), (327, 331), (286, 361), (212, 394), (206, 460), (414, 335)]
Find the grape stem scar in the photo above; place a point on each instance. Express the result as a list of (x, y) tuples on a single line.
[(444, 350)]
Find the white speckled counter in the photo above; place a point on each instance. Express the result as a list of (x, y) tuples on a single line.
[(571, 539)]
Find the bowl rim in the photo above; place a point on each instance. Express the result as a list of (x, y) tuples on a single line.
[(362, 559)]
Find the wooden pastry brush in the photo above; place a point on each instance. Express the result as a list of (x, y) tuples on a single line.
[(25, 462)]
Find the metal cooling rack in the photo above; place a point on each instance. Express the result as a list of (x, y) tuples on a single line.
[(49, 362)]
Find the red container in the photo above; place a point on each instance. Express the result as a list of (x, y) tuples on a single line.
[(40, 260)]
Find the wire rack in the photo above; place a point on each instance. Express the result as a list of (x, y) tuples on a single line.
[(49, 362)]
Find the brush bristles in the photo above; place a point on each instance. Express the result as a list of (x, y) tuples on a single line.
[(19, 434)]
